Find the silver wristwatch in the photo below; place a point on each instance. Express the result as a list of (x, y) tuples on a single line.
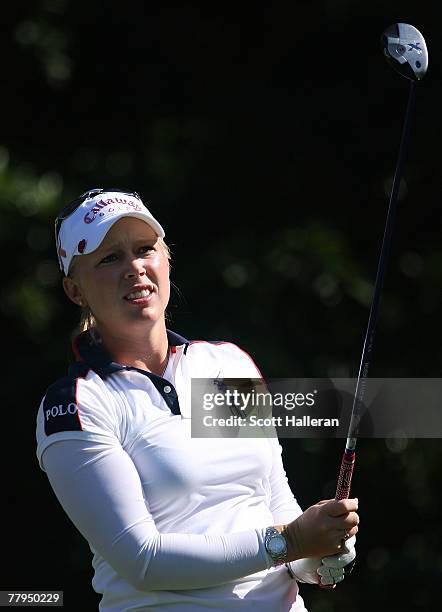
[(276, 545)]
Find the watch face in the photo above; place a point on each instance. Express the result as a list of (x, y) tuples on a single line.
[(277, 545)]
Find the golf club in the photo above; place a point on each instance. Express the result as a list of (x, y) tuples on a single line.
[(405, 49)]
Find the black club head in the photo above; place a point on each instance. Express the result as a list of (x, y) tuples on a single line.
[(405, 49)]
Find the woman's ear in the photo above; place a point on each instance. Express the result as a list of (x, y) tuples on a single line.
[(73, 291)]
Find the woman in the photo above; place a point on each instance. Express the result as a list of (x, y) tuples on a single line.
[(174, 522)]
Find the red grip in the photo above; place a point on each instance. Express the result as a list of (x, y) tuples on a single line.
[(345, 474), (343, 488)]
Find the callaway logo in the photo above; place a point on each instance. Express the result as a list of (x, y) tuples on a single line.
[(415, 46), (60, 410), (121, 204)]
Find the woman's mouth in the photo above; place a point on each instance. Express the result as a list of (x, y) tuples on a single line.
[(139, 297)]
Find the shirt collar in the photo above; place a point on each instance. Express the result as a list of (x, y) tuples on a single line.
[(93, 355)]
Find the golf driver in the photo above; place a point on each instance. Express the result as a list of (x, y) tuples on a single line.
[(405, 49)]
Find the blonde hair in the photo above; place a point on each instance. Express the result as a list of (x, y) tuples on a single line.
[(87, 319)]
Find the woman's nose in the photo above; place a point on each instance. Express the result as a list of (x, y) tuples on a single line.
[(135, 268)]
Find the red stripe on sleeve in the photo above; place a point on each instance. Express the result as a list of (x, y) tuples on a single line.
[(76, 403)]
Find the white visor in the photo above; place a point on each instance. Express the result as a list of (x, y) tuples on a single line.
[(84, 230)]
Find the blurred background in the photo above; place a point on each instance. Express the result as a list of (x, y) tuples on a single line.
[(264, 137)]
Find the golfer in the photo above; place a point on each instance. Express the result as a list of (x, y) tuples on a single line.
[(174, 522)]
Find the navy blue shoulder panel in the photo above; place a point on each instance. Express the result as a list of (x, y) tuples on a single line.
[(60, 407)]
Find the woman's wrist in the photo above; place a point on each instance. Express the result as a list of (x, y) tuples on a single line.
[(291, 535)]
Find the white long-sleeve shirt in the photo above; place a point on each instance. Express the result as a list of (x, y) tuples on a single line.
[(174, 522)]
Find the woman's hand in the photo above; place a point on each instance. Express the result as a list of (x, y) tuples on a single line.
[(321, 530)]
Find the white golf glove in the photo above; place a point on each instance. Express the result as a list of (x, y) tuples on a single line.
[(326, 571), (305, 570), (332, 570)]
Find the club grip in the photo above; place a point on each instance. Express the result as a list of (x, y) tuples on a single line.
[(343, 487), (345, 474)]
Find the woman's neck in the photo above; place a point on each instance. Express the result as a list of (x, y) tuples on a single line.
[(147, 351)]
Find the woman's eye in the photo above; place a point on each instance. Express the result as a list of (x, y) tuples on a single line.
[(108, 258), (146, 248)]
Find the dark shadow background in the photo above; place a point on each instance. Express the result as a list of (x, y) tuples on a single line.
[(264, 137)]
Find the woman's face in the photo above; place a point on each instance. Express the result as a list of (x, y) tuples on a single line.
[(125, 282)]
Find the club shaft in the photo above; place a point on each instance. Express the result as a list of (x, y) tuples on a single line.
[(348, 460)]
